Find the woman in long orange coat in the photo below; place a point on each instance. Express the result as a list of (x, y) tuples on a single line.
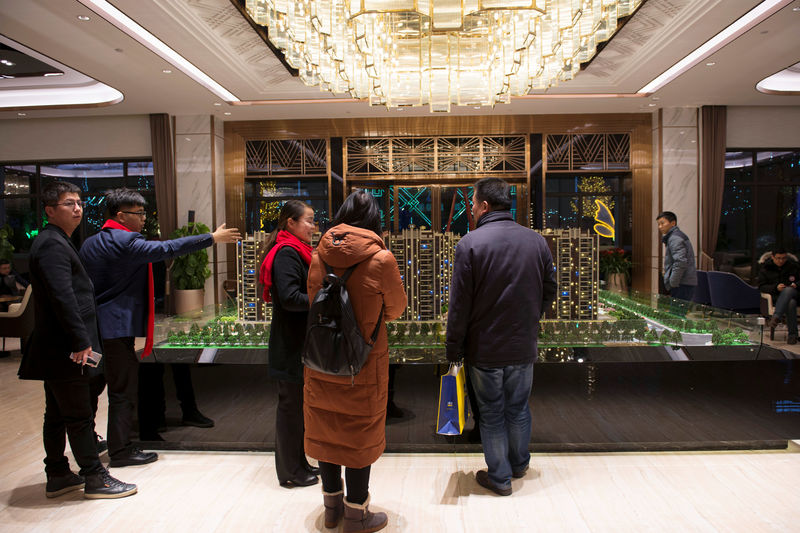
[(345, 419)]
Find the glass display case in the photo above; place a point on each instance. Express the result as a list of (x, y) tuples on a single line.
[(215, 335)]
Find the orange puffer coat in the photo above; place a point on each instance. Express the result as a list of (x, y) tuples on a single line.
[(345, 420)]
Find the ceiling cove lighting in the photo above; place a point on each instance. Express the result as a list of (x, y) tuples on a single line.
[(785, 82), (438, 52), (134, 30), (740, 26)]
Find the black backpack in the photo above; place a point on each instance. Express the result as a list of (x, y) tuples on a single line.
[(334, 344)]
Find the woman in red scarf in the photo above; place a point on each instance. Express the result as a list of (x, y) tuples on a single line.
[(284, 274)]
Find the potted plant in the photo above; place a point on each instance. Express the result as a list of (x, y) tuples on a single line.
[(615, 264), (6, 248), (189, 272)]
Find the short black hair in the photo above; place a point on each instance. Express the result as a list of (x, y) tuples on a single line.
[(52, 192), (778, 250), (5, 262), (360, 210), (116, 199), (669, 215), (495, 192)]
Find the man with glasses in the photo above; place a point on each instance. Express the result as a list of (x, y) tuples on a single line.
[(118, 260), (60, 350)]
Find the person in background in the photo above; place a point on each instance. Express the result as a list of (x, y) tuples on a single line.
[(503, 278), (11, 284), (283, 274), (64, 336), (680, 272), (779, 276), (346, 417), (118, 261)]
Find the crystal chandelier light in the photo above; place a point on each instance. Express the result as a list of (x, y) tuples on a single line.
[(438, 52)]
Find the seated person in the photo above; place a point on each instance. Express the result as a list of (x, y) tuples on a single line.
[(778, 276), (10, 283)]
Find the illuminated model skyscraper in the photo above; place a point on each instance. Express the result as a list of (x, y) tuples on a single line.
[(425, 259), (575, 258)]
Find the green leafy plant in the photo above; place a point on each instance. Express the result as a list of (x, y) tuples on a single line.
[(6, 248), (190, 271)]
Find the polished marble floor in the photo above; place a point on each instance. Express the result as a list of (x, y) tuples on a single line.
[(237, 491)]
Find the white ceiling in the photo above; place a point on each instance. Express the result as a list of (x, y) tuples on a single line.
[(213, 35)]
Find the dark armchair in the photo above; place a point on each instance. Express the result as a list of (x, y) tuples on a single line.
[(728, 291), (18, 320)]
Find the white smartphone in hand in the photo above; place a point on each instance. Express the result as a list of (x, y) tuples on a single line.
[(93, 360)]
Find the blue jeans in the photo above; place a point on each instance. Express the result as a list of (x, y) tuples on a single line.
[(787, 304), (505, 423)]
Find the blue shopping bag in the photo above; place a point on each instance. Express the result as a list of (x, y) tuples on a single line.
[(452, 402)]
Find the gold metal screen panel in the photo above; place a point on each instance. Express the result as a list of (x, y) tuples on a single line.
[(487, 155), (286, 157), (589, 151)]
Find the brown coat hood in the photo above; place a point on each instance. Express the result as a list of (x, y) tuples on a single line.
[(344, 246)]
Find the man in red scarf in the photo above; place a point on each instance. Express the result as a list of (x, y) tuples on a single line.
[(118, 260)]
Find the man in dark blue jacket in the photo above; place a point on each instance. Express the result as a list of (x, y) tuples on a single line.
[(118, 262), (64, 336), (503, 278)]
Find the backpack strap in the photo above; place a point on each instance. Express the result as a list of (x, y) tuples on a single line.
[(344, 278)]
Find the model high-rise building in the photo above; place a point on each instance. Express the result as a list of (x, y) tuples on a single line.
[(575, 259), (425, 260)]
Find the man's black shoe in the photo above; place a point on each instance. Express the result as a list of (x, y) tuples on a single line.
[(311, 469), (773, 322), (104, 486), (58, 485), (303, 480), (135, 457), (102, 445), (520, 473), (197, 419), (482, 477), (792, 339)]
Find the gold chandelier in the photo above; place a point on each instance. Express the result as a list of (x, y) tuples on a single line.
[(438, 52)]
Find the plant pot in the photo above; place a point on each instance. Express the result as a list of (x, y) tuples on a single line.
[(187, 301), (617, 282)]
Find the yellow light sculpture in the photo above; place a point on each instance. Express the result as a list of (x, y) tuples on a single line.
[(438, 52), (605, 220)]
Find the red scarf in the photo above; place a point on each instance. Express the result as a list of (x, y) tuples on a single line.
[(151, 306), (284, 239)]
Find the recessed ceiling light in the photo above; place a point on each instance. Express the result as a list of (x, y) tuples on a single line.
[(217, 104), (119, 19), (741, 25), (710, 64), (7, 63), (84, 18), (54, 74), (167, 71), (651, 105), (476, 107), (21, 114), (796, 9), (228, 113)]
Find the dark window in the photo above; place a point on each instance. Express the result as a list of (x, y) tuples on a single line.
[(759, 208), (21, 184)]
